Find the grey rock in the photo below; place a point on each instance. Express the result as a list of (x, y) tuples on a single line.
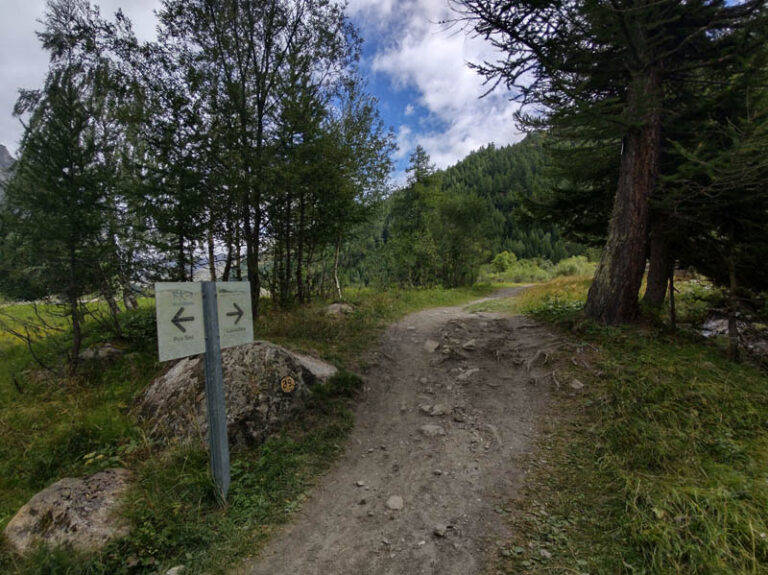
[(545, 554), (470, 345), (338, 309), (173, 407), (177, 570), (440, 530), (395, 503), (75, 513), (576, 384), (106, 351), (431, 345), (467, 375), (430, 430), (440, 409)]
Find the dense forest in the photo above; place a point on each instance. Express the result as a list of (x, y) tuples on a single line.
[(443, 225)]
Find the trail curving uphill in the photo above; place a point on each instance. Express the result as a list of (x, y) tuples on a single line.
[(451, 403)]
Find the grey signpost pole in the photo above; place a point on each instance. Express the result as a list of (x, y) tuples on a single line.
[(214, 391)]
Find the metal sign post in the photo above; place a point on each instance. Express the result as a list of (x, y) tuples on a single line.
[(191, 320), (214, 391)]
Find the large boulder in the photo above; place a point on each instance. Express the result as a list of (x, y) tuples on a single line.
[(264, 385), (76, 513)]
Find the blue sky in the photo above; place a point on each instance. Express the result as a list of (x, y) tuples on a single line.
[(414, 65)]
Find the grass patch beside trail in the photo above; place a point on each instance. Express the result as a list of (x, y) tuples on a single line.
[(658, 465), (343, 339), (56, 428)]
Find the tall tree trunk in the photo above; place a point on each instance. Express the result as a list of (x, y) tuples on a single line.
[(300, 251), (336, 267), (672, 310), (181, 265), (660, 266), (612, 298), (211, 253)]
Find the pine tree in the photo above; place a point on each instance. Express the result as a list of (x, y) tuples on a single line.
[(601, 73)]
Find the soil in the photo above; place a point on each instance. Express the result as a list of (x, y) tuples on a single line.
[(437, 448)]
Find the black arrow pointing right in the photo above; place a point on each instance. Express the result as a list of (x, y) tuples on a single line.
[(177, 319), (239, 313)]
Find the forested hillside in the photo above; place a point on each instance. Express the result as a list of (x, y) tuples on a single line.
[(444, 224)]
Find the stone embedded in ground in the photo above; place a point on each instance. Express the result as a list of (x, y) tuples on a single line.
[(430, 430), (337, 309), (545, 554), (178, 570), (395, 503), (440, 409), (470, 345), (440, 530), (425, 408), (173, 407), (105, 351), (431, 345), (465, 376), (75, 513), (576, 384)]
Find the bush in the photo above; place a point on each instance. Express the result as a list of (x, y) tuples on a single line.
[(574, 266), (503, 261)]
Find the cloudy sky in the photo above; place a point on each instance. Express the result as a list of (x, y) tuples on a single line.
[(415, 66)]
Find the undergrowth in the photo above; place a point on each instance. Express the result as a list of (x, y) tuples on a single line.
[(657, 465)]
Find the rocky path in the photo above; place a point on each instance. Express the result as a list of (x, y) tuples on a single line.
[(450, 404)]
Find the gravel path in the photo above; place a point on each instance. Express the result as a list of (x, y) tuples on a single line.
[(451, 403)]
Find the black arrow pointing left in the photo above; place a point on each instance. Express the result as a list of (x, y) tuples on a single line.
[(238, 313), (177, 319)]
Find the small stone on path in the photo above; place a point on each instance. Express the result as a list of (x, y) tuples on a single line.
[(432, 430), (468, 374), (440, 409), (360, 483), (576, 384), (395, 503), (470, 345), (440, 530), (431, 345)]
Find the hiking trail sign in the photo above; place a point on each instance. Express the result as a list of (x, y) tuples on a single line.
[(205, 317)]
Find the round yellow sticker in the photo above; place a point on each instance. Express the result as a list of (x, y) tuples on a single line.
[(288, 384)]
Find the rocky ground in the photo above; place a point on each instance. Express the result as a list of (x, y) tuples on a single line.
[(451, 404)]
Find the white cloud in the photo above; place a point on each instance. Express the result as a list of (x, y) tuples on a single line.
[(431, 58), (23, 63), (409, 109)]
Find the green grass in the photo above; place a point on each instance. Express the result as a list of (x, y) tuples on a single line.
[(56, 427), (660, 465), (343, 339)]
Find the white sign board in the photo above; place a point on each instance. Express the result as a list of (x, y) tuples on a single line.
[(235, 315), (180, 327)]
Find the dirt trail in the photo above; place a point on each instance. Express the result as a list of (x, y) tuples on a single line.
[(441, 433)]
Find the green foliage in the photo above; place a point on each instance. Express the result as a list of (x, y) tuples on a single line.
[(661, 469), (537, 270), (502, 261)]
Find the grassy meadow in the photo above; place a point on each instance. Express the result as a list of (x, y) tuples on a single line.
[(55, 426)]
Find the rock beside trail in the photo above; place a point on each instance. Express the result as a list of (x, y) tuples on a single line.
[(105, 351), (337, 309), (76, 513), (265, 385)]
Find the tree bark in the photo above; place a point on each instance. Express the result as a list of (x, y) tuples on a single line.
[(660, 266), (612, 298), (336, 267), (211, 253)]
